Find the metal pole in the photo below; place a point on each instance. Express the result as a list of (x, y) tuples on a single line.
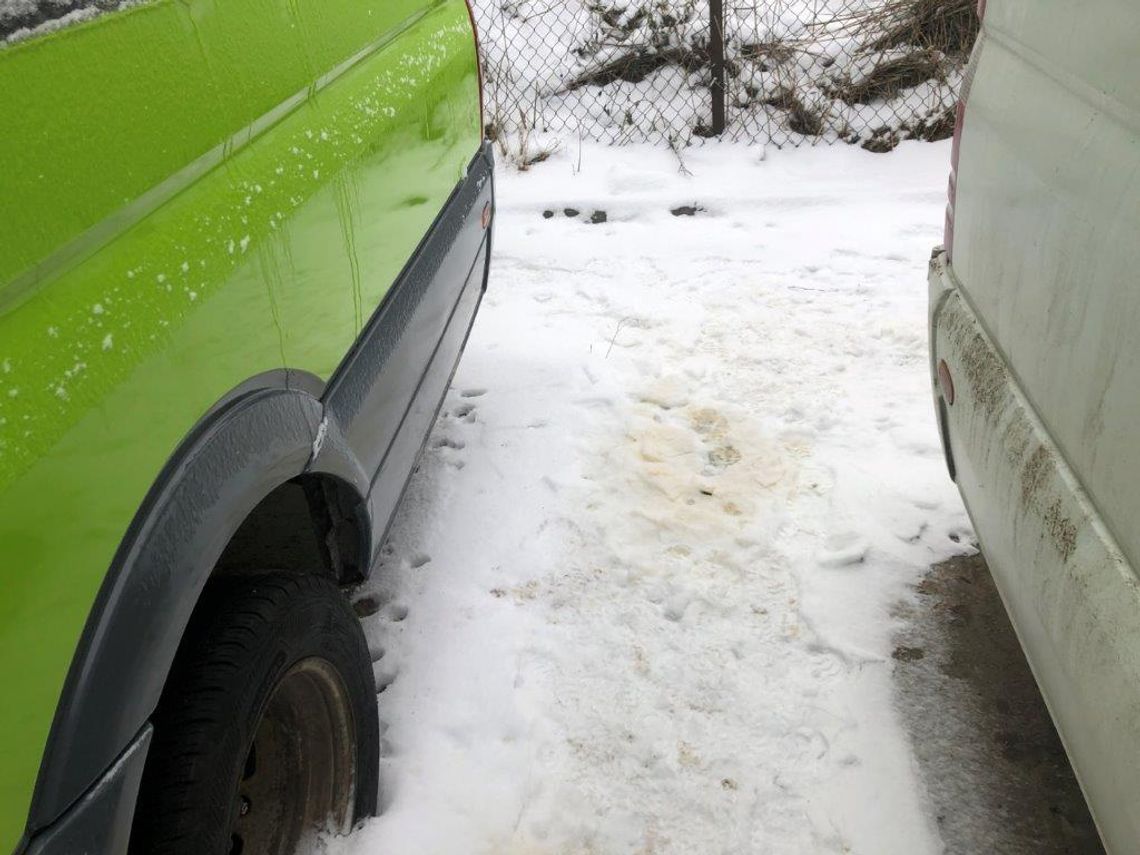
[(716, 63)]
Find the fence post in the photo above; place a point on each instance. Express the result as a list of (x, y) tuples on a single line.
[(716, 63)]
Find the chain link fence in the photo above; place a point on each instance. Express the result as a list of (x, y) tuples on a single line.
[(785, 72)]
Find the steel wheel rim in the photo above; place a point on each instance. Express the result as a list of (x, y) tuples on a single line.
[(298, 776)]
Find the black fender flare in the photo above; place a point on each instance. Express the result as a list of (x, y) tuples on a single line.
[(265, 432)]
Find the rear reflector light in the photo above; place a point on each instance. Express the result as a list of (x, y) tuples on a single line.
[(945, 382), (479, 64)]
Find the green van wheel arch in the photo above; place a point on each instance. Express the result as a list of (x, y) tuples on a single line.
[(251, 445)]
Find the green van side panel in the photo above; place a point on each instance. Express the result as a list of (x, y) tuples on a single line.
[(192, 192)]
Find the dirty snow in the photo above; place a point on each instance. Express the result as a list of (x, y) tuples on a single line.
[(642, 592)]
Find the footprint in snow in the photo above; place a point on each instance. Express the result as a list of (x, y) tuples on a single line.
[(397, 612), (908, 654), (571, 213), (366, 606), (842, 550), (812, 743), (418, 560), (383, 675), (825, 665), (473, 393)]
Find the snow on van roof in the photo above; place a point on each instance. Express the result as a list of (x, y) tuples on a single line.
[(23, 19)]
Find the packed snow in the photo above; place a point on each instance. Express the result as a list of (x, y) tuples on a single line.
[(643, 591)]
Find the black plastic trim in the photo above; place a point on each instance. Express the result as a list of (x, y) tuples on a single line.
[(389, 374), (391, 480), (944, 432), (101, 821)]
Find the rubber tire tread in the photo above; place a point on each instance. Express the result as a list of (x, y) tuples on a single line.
[(245, 634)]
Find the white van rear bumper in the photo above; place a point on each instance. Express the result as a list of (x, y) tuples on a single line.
[(1071, 595)]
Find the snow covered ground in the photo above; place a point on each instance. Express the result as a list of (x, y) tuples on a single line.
[(642, 594)]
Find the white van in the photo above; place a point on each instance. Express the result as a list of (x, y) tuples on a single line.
[(1035, 356)]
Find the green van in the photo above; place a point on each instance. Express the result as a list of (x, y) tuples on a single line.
[(242, 244)]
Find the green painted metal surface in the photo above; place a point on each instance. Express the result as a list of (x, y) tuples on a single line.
[(191, 192)]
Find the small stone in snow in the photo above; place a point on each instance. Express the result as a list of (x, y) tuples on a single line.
[(570, 212), (908, 654), (546, 215), (598, 217), (686, 210)]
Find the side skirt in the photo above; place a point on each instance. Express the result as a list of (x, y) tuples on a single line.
[(392, 478), (385, 395)]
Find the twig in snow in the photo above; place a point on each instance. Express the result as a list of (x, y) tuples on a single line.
[(676, 149), (620, 324)]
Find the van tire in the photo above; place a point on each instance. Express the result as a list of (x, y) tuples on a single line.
[(267, 724)]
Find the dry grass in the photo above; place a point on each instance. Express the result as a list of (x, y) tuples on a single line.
[(768, 55), (892, 76), (910, 43), (949, 26), (938, 124), (804, 120), (521, 148), (636, 65), (800, 117)]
